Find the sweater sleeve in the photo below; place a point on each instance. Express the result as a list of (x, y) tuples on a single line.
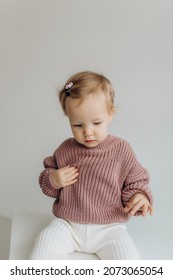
[(45, 181), (136, 178)]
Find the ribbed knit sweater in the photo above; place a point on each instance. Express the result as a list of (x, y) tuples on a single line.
[(109, 175)]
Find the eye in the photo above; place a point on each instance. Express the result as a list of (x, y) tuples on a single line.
[(77, 125), (97, 123)]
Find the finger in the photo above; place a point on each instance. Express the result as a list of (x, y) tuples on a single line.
[(136, 207), (72, 177), (126, 208), (150, 210), (130, 205), (70, 183), (71, 173), (68, 169), (144, 210)]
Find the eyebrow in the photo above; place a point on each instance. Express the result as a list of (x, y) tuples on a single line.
[(96, 120), (79, 122)]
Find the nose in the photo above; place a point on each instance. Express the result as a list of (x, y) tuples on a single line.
[(87, 131)]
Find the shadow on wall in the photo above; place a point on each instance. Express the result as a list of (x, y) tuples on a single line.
[(5, 232)]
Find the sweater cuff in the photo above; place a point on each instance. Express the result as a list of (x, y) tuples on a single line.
[(47, 185)]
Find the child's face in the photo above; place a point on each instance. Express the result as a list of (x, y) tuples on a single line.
[(89, 120)]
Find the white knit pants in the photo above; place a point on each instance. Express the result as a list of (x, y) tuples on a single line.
[(61, 237)]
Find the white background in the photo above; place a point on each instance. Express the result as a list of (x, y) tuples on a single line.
[(42, 42)]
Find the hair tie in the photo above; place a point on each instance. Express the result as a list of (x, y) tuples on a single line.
[(67, 88)]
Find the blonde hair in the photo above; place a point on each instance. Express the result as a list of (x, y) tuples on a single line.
[(84, 83)]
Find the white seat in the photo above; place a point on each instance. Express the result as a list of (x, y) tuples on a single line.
[(26, 225)]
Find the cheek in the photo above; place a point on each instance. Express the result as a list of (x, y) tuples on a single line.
[(76, 132), (73, 130), (102, 129), (104, 126)]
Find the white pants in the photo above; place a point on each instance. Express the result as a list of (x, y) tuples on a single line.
[(61, 237)]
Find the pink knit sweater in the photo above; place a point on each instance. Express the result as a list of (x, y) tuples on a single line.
[(109, 175)]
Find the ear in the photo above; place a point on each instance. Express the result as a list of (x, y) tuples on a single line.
[(111, 114)]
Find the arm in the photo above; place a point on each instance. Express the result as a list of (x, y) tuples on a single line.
[(45, 181), (52, 179), (136, 195)]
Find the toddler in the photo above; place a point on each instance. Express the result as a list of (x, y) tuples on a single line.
[(95, 178)]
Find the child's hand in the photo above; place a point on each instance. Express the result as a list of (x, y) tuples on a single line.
[(139, 201), (64, 176)]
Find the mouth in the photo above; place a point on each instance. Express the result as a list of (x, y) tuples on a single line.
[(90, 141)]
